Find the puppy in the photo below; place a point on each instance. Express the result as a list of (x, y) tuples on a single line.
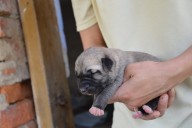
[(100, 71)]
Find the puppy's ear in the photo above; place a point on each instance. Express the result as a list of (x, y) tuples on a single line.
[(107, 63)]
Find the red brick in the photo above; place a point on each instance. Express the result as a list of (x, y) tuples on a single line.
[(8, 7), (17, 114), (9, 71), (17, 91), (31, 124), (2, 34)]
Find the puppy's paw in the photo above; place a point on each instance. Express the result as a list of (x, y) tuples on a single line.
[(96, 111), (147, 109), (137, 114)]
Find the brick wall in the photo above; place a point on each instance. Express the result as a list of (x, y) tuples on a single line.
[(16, 106), (16, 101)]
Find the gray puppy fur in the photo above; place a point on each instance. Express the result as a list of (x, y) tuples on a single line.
[(100, 71)]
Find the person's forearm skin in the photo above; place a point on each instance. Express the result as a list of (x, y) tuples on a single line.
[(92, 37)]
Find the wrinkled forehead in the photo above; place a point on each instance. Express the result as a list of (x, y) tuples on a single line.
[(86, 65), (94, 68), (88, 61)]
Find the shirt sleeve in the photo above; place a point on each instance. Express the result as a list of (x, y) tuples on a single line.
[(84, 14)]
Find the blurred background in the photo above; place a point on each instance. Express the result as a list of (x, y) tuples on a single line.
[(73, 47)]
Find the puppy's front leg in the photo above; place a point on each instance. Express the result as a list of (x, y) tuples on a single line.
[(101, 99)]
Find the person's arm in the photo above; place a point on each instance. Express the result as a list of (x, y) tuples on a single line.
[(147, 80), (92, 37)]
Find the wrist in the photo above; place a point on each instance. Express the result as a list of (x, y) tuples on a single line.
[(180, 67), (183, 63)]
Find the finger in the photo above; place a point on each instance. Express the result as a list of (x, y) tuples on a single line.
[(162, 106), (151, 116), (163, 103), (171, 95), (124, 92), (116, 97)]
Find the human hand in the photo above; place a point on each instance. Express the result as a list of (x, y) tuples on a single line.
[(145, 81)]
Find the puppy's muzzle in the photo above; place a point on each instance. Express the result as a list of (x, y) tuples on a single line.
[(88, 87)]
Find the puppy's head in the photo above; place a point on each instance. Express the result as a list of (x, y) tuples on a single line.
[(94, 70)]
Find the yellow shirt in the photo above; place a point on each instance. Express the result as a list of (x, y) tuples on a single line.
[(160, 27)]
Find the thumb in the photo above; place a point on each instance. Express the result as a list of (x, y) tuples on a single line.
[(121, 92), (113, 99)]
